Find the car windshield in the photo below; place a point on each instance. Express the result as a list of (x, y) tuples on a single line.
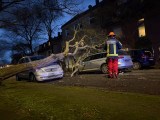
[(34, 58), (121, 52)]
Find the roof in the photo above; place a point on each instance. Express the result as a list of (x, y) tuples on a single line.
[(91, 8)]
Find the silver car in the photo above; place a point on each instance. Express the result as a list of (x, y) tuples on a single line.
[(51, 71), (98, 62)]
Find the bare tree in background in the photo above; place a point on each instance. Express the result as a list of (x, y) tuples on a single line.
[(20, 48), (4, 46), (27, 27), (7, 4), (28, 21), (50, 11), (6, 7)]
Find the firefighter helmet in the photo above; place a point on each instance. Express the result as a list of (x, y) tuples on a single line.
[(111, 34)]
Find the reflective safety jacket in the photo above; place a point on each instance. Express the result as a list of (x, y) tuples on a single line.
[(112, 46)]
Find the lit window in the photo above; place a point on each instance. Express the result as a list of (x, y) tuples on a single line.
[(141, 20), (141, 28), (49, 43)]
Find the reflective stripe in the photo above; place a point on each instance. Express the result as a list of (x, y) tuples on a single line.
[(114, 50), (107, 49), (114, 55), (114, 47)]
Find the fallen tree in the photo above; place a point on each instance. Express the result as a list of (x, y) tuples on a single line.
[(79, 45), (14, 69)]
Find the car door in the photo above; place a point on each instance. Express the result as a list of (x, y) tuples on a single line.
[(149, 58), (24, 74), (22, 62), (93, 62), (86, 63), (97, 61)]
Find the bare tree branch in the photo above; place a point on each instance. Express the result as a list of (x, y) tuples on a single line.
[(6, 5)]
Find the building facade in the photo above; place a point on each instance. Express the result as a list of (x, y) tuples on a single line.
[(135, 22), (52, 46)]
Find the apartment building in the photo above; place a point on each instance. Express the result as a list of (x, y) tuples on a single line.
[(136, 23), (52, 46)]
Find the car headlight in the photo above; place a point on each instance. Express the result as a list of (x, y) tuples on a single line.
[(40, 71), (58, 68)]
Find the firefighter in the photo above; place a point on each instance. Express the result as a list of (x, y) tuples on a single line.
[(112, 46)]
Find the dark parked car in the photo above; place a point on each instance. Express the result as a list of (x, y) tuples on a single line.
[(141, 58)]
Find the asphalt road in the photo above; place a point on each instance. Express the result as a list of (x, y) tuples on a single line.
[(145, 81)]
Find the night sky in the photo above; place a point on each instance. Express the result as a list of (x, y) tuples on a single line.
[(63, 20), (83, 6)]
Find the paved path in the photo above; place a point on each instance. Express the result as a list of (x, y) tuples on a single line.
[(141, 81)]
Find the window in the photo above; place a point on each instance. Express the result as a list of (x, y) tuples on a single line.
[(49, 52), (75, 27), (148, 53), (91, 20), (121, 52), (120, 2), (66, 32), (78, 26), (21, 61), (26, 60), (141, 28), (104, 55), (49, 43), (34, 58), (97, 56), (87, 59)]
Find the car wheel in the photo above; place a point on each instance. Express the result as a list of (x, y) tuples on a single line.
[(18, 78), (136, 65), (32, 78), (104, 68)]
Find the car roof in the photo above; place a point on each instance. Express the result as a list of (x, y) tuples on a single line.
[(96, 54), (135, 49), (102, 53), (32, 56)]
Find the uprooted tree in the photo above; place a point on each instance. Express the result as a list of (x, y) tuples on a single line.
[(79, 48)]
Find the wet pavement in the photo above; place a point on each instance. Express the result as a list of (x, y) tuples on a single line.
[(145, 81)]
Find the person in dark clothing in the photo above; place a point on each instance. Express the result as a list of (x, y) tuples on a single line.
[(112, 46)]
